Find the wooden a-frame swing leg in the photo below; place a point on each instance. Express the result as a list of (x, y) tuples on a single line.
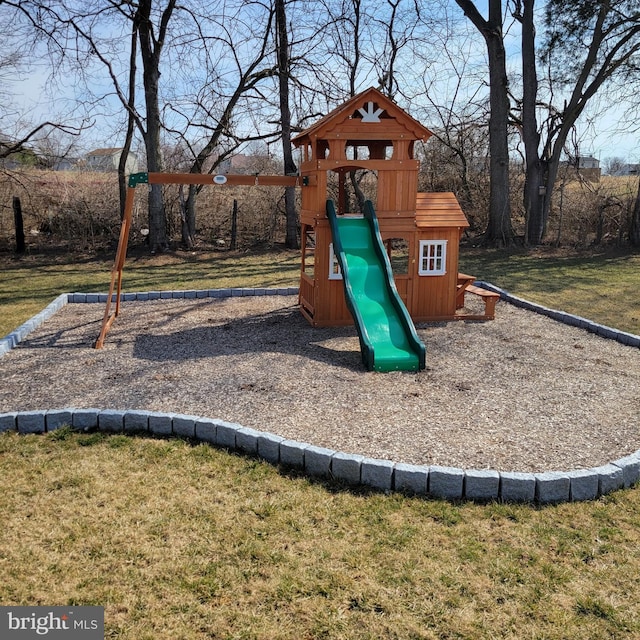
[(116, 271)]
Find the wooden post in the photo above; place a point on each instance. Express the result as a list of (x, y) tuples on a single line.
[(234, 226), (115, 288), (19, 225)]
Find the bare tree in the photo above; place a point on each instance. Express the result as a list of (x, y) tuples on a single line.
[(282, 55), (589, 45), (21, 34), (225, 112), (499, 229), (152, 39), (453, 103), (398, 22), (74, 34), (130, 100), (634, 229)]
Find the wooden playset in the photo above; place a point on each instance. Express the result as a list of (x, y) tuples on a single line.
[(427, 225), (346, 263)]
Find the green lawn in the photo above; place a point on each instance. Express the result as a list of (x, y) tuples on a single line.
[(185, 541), (603, 287), (29, 284)]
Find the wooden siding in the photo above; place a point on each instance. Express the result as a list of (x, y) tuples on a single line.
[(307, 293), (435, 296), (403, 283), (333, 164), (397, 190), (356, 129)]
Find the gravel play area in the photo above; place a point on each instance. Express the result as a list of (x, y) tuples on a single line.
[(520, 393)]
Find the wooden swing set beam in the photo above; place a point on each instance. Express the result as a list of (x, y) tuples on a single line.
[(135, 179)]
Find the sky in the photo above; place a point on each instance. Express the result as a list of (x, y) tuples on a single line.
[(603, 138)]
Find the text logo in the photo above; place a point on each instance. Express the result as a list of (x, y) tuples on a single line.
[(52, 623)]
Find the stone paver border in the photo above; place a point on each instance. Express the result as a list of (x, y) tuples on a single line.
[(629, 339), (350, 469), (434, 481)]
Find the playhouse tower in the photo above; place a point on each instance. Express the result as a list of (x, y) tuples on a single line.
[(370, 133)]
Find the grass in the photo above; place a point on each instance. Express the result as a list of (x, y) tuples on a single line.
[(185, 541), (180, 540), (28, 284), (599, 286)]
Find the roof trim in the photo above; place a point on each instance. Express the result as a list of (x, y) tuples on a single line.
[(346, 108)]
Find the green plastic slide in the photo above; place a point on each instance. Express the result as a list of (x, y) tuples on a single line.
[(388, 338)]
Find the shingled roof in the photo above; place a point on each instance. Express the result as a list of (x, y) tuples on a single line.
[(439, 210)]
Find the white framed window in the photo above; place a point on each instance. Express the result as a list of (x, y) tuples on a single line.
[(433, 258), (334, 267)]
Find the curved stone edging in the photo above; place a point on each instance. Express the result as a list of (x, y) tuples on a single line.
[(351, 469), (18, 335), (14, 338), (609, 333)]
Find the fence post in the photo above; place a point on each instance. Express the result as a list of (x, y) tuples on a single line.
[(234, 226), (19, 225)]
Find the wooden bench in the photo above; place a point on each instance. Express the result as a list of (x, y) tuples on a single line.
[(464, 281), (490, 298)]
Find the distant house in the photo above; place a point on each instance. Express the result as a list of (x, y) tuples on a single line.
[(588, 162), (246, 164), (587, 167), (625, 169), (108, 159)]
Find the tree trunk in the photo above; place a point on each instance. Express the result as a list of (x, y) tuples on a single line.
[(131, 121), (357, 190), (189, 224), (150, 51), (234, 227), (187, 232), (534, 184), (158, 240), (499, 230), (282, 39), (548, 178), (534, 192)]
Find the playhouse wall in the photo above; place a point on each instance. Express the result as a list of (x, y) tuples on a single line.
[(330, 307), (356, 129), (314, 196), (397, 192), (322, 300), (335, 311), (434, 297)]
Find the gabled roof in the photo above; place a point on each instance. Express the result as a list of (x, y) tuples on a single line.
[(439, 210), (105, 152), (347, 109)]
